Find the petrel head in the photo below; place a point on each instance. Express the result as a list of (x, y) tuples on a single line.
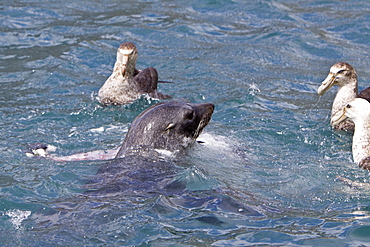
[(340, 74)]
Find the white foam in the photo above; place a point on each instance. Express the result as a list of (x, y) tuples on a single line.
[(97, 130), (166, 153), (253, 89), (17, 216), (51, 148), (215, 141)]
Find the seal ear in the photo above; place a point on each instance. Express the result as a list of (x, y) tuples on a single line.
[(170, 126)]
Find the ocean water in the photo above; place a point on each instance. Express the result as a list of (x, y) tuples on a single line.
[(269, 145)]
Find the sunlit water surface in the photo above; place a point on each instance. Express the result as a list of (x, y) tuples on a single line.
[(269, 145)]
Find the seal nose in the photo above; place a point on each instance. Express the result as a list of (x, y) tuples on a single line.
[(205, 111), (204, 108), (208, 106), (211, 107)]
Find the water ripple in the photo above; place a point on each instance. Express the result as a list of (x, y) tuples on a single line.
[(268, 146)]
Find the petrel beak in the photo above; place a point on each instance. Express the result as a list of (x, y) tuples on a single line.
[(125, 60), (338, 118), (326, 84)]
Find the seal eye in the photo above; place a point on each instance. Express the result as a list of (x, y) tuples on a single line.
[(190, 116)]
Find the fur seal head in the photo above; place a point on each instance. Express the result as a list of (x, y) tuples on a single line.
[(168, 126)]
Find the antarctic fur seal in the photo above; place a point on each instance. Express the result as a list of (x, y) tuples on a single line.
[(126, 83), (139, 165), (142, 169), (140, 175), (165, 127)]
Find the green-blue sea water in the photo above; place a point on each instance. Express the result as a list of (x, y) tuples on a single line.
[(269, 144)]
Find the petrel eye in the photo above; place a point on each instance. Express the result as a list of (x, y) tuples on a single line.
[(348, 106)]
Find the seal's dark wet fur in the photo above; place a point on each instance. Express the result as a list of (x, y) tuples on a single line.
[(140, 171), (139, 165), (167, 126), (141, 180)]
